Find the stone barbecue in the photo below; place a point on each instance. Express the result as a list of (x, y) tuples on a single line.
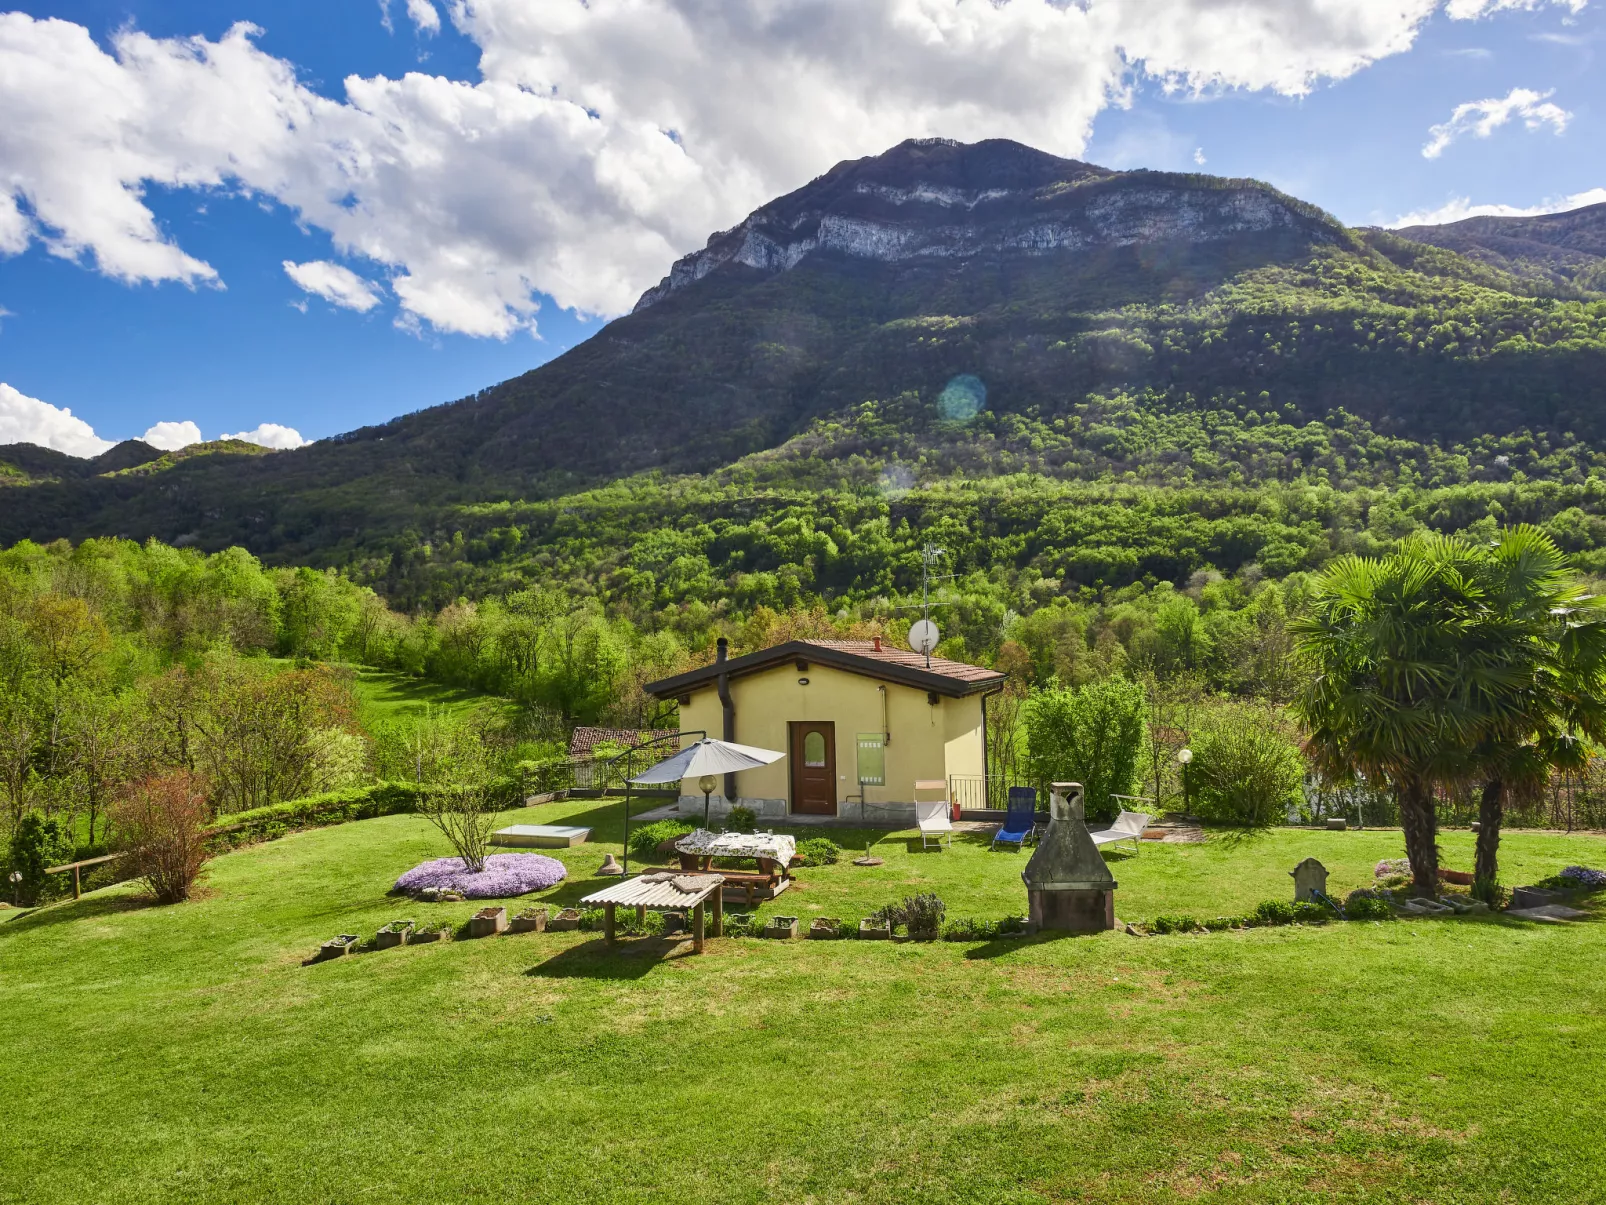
[(1068, 886)]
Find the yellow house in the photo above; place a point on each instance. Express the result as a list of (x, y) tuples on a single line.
[(860, 722)]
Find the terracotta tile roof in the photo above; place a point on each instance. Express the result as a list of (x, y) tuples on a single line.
[(583, 740), (957, 670), (952, 678)]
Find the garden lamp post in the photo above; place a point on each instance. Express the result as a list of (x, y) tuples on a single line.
[(706, 785), (1184, 756), (16, 887)]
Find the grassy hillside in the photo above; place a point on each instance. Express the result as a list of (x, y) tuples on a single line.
[(185, 1054)]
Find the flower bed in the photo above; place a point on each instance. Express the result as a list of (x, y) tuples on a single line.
[(504, 875)]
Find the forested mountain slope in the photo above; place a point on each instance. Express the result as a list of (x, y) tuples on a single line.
[(988, 311)]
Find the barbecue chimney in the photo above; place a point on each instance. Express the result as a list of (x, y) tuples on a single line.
[(1068, 886)]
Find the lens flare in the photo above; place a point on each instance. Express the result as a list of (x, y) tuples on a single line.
[(962, 399)]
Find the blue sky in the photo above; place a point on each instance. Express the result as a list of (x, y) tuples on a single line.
[(512, 173)]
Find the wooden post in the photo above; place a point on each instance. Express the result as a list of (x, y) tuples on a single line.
[(719, 911), (77, 885), (607, 930), (697, 928), (641, 914)]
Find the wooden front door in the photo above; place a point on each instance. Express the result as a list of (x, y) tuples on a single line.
[(813, 755)]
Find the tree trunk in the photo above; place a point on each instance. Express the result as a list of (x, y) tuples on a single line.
[(1421, 826), (1491, 813)]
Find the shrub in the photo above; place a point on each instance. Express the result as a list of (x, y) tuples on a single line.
[(502, 876), (38, 841), (1175, 924), (644, 841), (743, 924), (1367, 907), (818, 851), (1307, 912), (1245, 771), (968, 929), (314, 811), (160, 827), (924, 911), (1584, 877), (1274, 912), (1217, 923), (741, 820), (1089, 735)]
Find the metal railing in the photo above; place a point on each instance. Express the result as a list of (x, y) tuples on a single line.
[(981, 790)]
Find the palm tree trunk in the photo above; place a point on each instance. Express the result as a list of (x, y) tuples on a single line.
[(1421, 826), (1486, 864)]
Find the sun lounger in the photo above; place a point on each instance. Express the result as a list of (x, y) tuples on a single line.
[(932, 817), (1019, 820), (1128, 826)]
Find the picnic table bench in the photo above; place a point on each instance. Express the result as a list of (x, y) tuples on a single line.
[(773, 852)]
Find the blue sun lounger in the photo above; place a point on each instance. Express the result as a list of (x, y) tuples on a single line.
[(1019, 819)]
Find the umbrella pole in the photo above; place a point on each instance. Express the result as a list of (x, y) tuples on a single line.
[(627, 826), (705, 809)]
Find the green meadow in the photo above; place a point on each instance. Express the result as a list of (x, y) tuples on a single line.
[(187, 1054)]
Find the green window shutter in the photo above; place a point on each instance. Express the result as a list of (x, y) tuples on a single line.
[(872, 759)]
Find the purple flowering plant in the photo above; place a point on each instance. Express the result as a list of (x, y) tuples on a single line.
[(504, 875), (1594, 880), (1389, 867)]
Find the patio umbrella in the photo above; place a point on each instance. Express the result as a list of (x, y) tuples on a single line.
[(705, 759)]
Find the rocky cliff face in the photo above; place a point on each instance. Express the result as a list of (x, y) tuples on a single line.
[(939, 199)]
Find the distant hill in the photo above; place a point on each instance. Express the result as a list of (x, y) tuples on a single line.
[(1557, 248), (924, 283)]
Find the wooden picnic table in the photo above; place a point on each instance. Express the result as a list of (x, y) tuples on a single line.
[(773, 852), (665, 892)]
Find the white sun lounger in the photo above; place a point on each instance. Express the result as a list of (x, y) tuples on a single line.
[(934, 824), (1128, 826)]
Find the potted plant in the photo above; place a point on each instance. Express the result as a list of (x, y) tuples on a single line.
[(565, 920), (433, 931), (531, 920), (782, 927), (923, 914), (338, 947), (488, 921), (394, 934), (875, 929), (825, 928)]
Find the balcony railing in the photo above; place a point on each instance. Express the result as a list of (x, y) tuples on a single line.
[(981, 790)]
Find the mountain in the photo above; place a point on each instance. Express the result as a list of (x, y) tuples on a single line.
[(1071, 305), (29, 464), (1560, 249)]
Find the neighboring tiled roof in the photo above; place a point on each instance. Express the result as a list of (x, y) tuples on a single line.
[(952, 678), (584, 740)]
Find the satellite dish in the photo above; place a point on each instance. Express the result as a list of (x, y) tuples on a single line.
[(923, 637)]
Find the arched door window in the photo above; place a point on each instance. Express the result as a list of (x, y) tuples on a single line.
[(814, 749)]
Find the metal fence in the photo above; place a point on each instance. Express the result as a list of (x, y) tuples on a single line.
[(980, 790)]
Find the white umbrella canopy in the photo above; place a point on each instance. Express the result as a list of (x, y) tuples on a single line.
[(707, 756)]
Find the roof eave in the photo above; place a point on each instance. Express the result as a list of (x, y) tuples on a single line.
[(902, 675)]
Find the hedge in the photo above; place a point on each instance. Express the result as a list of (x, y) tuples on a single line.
[(315, 811)]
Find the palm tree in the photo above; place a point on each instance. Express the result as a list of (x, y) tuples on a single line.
[(1441, 663), (1564, 652)]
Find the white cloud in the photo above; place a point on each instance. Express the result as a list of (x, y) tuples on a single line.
[(1199, 155), (335, 284), (423, 16), (605, 137), (171, 436), (271, 435), (1480, 118), (27, 420), (1471, 10), (1461, 207)]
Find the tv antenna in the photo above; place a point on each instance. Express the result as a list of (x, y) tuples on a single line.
[(923, 633)]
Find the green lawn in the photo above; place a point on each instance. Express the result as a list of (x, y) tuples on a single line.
[(386, 696), (163, 1054)]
